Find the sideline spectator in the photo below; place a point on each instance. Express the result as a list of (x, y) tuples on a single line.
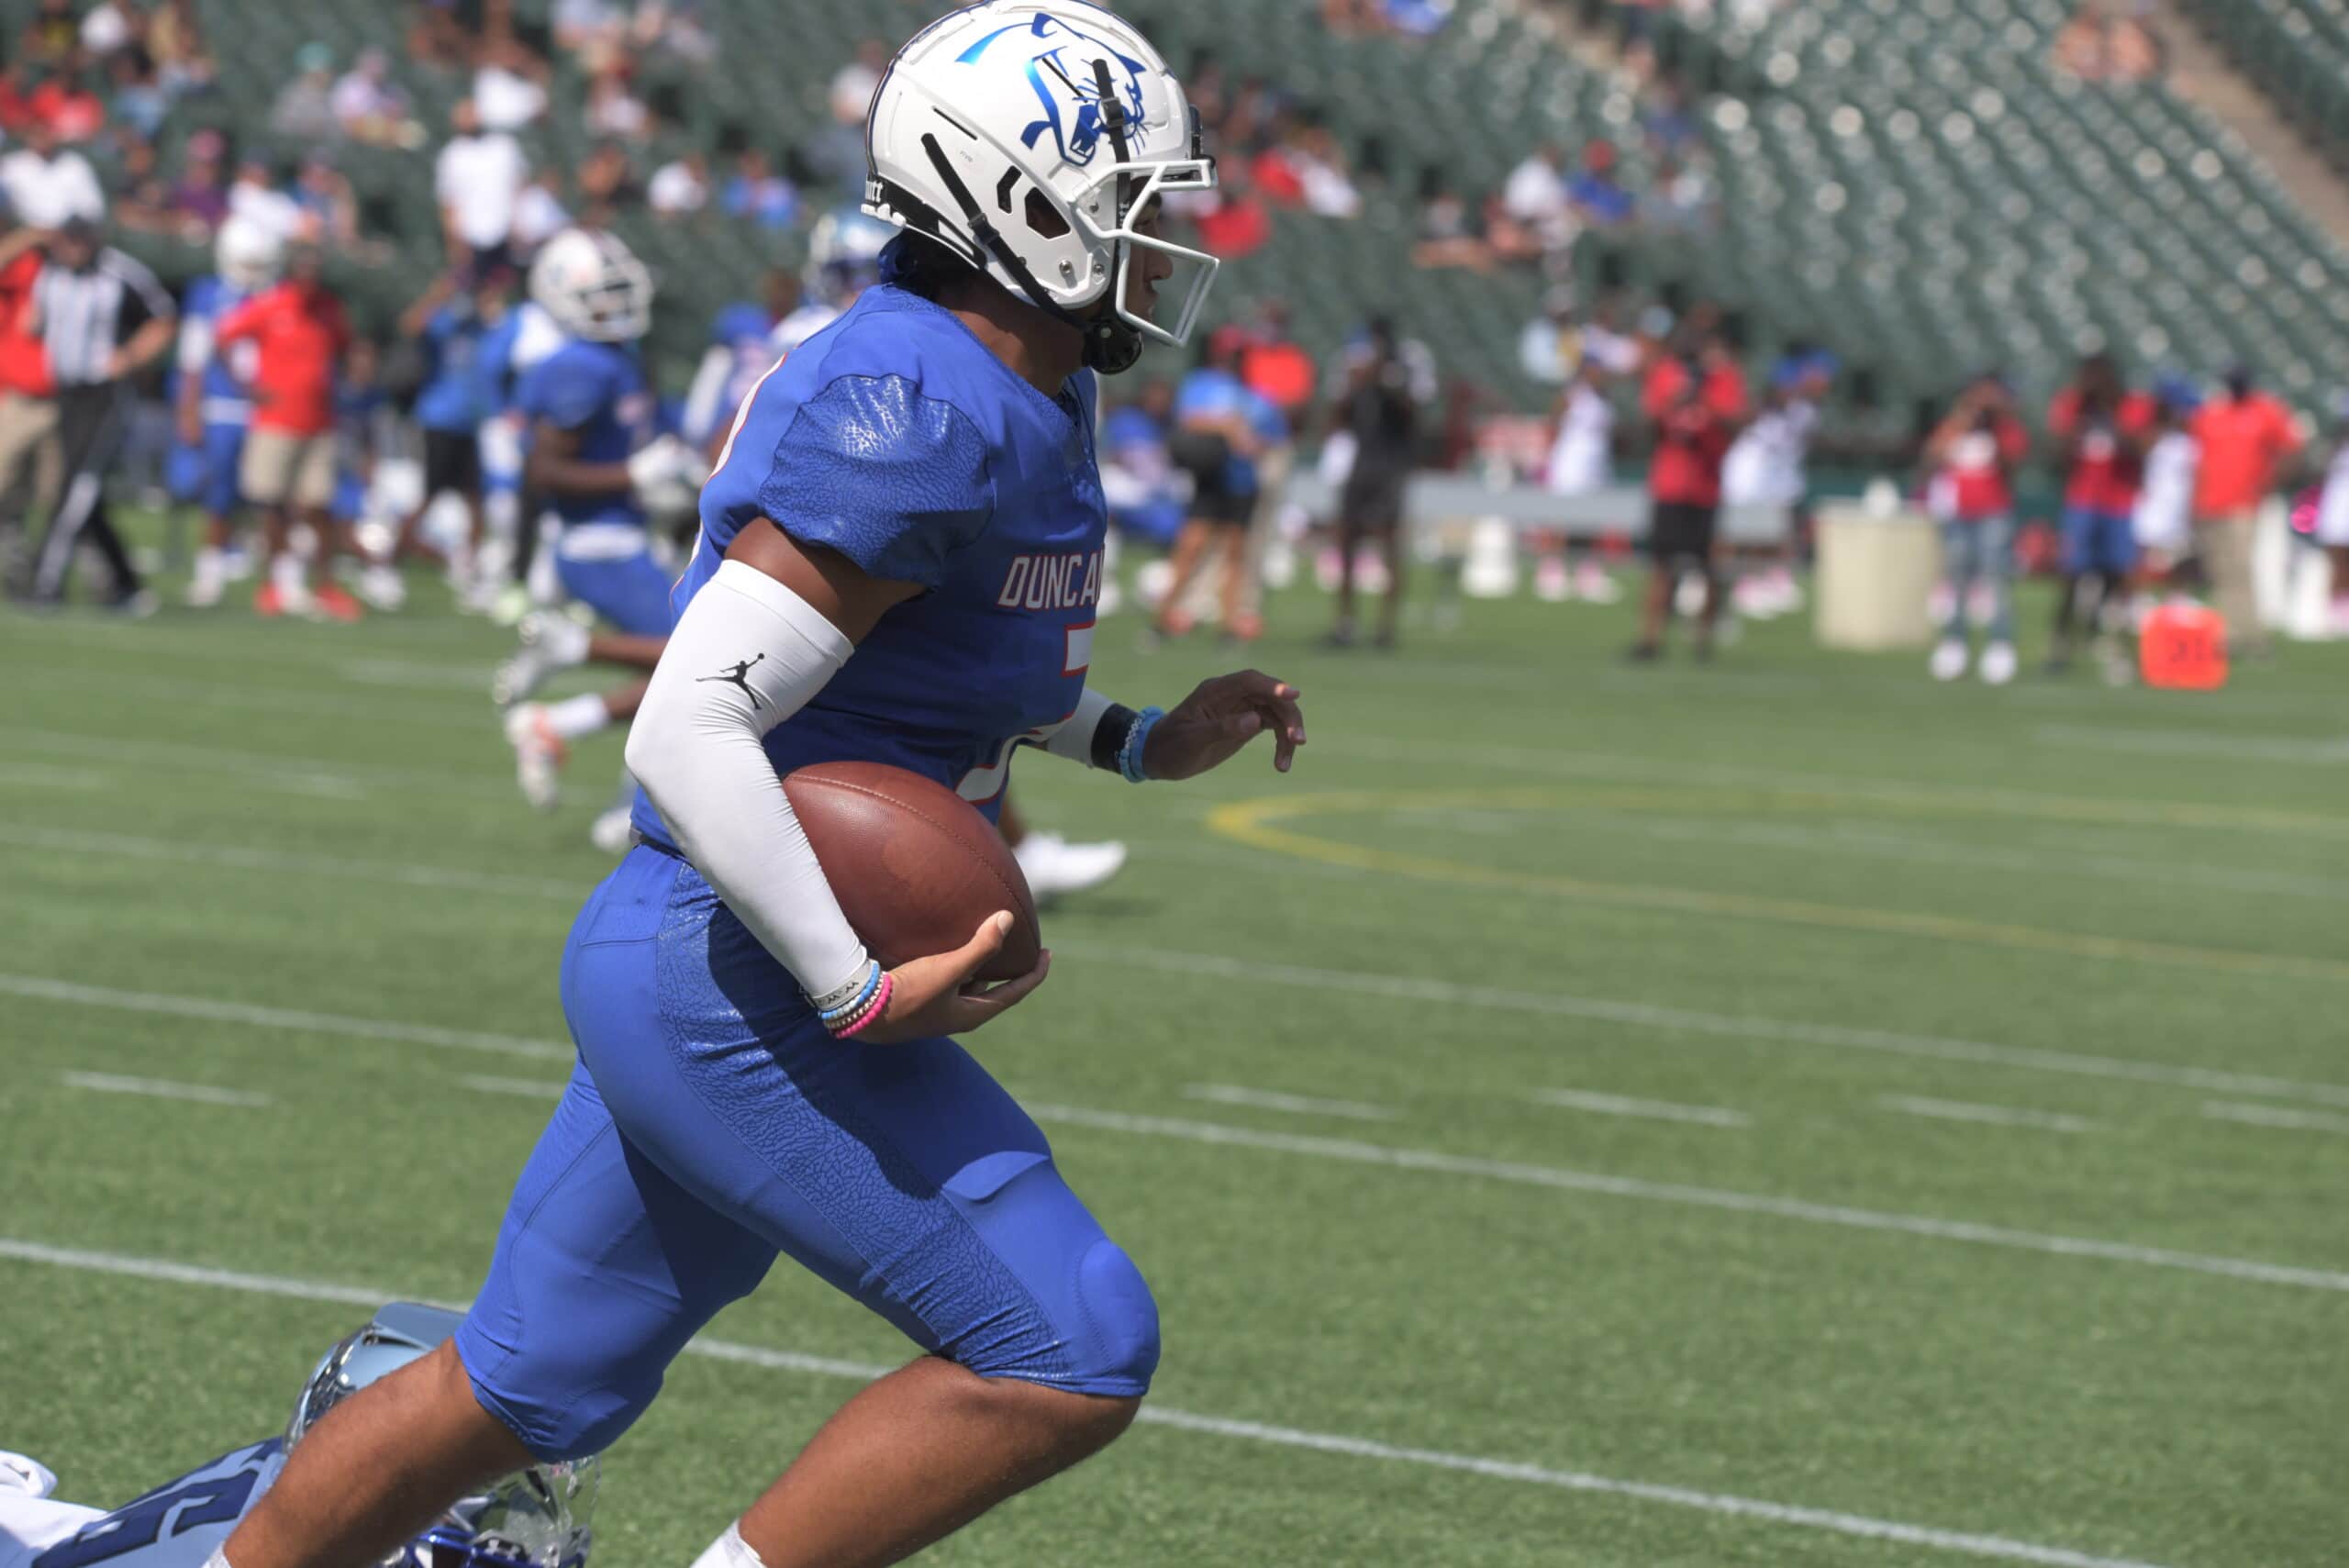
[(1973, 454), (755, 192), (2102, 429), (102, 318), (176, 38), (476, 179), (1379, 412), (1136, 475), (509, 86), (2246, 438), (1696, 399), (254, 196), (539, 214), (138, 102), (51, 34), (1535, 196), (1598, 198), (47, 186), (370, 107), (200, 198), (305, 106), (1447, 230), (328, 209), (613, 108), (681, 186), (300, 337), (28, 447)]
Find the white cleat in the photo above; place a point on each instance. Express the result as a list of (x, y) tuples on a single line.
[(26, 1475), (538, 754), (1949, 660), (1053, 865), (550, 641), (210, 580), (1998, 664), (612, 831), (383, 589), (1553, 585)]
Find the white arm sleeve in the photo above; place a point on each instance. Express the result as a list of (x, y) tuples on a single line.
[(1074, 738), (747, 654)]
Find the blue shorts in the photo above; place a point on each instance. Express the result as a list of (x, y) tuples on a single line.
[(711, 1124), (2101, 543), (205, 473), (629, 591)]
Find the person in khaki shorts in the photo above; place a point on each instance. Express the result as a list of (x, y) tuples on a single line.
[(300, 336), (2246, 438)]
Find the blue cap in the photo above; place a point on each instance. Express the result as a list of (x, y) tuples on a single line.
[(2177, 392)]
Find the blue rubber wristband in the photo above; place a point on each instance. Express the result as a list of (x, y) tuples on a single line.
[(1130, 754)]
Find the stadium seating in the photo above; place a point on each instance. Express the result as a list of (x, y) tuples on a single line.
[(2298, 50), (1909, 182)]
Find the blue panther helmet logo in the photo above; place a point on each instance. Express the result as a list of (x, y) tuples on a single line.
[(1060, 74)]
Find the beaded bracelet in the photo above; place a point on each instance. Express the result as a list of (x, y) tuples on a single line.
[(836, 1006), (871, 1010), (1130, 754)]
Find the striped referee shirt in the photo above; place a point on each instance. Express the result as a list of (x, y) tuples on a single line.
[(86, 316)]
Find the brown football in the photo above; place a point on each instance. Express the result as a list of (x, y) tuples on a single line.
[(915, 865)]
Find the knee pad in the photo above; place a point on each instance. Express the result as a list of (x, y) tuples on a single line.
[(1074, 1313)]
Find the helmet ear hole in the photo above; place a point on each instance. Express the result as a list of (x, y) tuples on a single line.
[(1043, 219)]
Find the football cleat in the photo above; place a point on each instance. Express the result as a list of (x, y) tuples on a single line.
[(1053, 865), (550, 641), (333, 603), (1949, 659), (538, 754)]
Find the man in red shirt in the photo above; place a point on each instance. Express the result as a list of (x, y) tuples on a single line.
[(1973, 454), (1696, 399), (2102, 431), (28, 391), (2247, 438), (299, 335)]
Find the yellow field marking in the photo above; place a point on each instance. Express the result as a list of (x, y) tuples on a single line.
[(1253, 822)]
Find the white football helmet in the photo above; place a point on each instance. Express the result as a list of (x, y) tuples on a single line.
[(536, 1518), (844, 255), (1027, 137), (593, 286), (248, 254)]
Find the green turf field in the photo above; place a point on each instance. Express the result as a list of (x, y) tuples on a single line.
[(1777, 1113)]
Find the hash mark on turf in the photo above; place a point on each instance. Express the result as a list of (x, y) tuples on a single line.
[(1271, 1100), (1652, 1110), (161, 1089), (1993, 1115)]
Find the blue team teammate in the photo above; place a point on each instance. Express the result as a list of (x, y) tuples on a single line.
[(535, 1519), (589, 414), (215, 405), (898, 562)]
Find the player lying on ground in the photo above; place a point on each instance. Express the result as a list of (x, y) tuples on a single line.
[(534, 1518), (899, 564)]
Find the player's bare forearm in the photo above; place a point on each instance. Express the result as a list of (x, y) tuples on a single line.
[(1209, 726)]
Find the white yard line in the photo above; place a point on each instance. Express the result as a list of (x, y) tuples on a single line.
[(1270, 1100), (1434, 1162), (77, 842), (2217, 743), (540, 1089), (1994, 1116), (276, 770), (161, 1089), (2275, 1116), (1555, 1003), (37, 776), (278, 1017), (1652, 1110), (1989, 1547)]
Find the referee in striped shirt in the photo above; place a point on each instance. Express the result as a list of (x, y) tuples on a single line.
[(102, 318)]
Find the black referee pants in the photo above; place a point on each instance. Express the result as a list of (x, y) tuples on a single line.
[(90, 426)]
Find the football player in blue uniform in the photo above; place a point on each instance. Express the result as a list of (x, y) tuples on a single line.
[(589, 411), (535, 1519), (214, 406), (899, 562)]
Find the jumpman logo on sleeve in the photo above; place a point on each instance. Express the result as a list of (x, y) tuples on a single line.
[(739, 675)]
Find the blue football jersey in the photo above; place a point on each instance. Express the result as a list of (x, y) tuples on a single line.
[(897, 438), (597, 390), (224, 387)]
